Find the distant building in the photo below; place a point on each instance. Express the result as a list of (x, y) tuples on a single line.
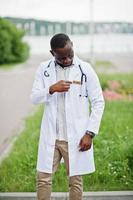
[(42, 27)]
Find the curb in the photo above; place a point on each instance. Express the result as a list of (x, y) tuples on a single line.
[(109, 195)]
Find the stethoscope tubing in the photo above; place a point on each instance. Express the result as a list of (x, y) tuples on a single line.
[(83, 75)]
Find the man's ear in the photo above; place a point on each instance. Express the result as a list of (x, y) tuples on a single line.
[(72, 43), (52, 52)]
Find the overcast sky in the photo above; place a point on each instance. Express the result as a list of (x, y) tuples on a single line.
[(76, 10)]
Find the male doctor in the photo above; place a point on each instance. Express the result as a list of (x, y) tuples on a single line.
[(74, 105)]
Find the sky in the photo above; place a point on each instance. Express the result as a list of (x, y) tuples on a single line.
[(70, 10)]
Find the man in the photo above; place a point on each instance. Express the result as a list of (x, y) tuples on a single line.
[(67, 86)]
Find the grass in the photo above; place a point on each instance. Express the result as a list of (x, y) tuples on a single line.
[(126, 80), (113, 151), (19, 168), (9, 66), (103, 63), (113, 155)]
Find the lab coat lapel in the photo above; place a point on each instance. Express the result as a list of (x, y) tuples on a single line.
[(75, 74)]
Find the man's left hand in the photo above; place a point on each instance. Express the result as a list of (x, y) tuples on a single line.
[(85, 142)]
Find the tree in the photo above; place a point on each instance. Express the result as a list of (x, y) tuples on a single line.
[(12, 48)]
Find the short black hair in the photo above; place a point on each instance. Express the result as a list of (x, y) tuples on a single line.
[(59, 40)]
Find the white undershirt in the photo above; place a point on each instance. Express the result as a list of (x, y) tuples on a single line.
[(61, 128)]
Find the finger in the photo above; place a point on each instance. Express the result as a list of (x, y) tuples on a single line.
[(66, 84), (88, 147), (67, 87), (84, 149), (81, 148), (69, 82), (80, 143), (85, 146), (65, 90)]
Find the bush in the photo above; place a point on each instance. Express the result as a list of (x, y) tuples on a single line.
[(12, 48)]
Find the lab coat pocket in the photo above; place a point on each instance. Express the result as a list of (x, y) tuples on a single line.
[(79, 102)]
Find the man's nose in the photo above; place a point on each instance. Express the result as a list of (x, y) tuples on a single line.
[(66, 60)]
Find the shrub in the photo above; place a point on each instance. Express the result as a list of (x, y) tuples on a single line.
[(12, 48)]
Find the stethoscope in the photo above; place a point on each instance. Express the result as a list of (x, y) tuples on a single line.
[(46, 74), (83, 92)]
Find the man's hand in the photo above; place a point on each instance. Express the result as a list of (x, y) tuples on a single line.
[(60, 86), (85, 142)]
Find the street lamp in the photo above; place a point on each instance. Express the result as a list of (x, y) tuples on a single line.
[(91, 32)]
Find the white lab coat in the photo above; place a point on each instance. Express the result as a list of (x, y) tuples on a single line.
[(79, 117)]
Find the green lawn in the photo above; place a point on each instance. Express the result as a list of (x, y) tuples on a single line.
[(103, 63), (113, 155), (126, 81), (113, 149), (10, 66)]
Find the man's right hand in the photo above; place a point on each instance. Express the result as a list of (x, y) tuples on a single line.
[(60, 86)]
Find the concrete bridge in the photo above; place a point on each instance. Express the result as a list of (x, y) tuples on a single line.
[(42, 27)]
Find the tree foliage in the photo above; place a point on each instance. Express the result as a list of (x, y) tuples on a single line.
[(12, 48)]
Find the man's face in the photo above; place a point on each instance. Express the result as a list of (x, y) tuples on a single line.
[(64, 56)]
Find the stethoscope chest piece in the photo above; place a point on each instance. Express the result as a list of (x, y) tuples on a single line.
[(46, 73)]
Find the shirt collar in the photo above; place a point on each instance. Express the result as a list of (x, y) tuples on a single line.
[(56, 64), (75, 62)]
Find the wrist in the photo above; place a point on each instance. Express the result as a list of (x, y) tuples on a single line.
[(90, 134)]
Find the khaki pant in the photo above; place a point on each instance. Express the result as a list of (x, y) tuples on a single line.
[(44, 180)]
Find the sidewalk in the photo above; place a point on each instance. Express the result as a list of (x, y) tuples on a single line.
[(15, 103), (113, 195)]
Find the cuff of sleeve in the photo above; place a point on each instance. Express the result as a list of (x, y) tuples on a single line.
[(48, 94)]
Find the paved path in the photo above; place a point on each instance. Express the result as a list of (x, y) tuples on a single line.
[(113, 195), (15, 104), (15, 89)]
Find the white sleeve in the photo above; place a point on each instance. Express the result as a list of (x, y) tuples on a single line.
[(96, 101), (40, 93)]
